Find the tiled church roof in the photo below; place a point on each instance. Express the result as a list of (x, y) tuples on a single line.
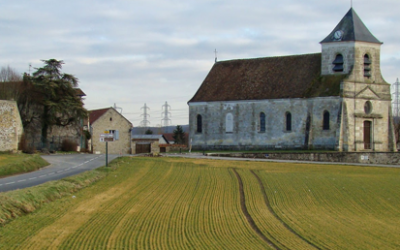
[(296, 76)]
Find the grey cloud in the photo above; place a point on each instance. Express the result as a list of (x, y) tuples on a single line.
[(132, 52)]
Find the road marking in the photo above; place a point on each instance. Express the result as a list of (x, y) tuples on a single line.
[(10, 183), (51, 173), (32, 178), (42, 176), (22, 180)]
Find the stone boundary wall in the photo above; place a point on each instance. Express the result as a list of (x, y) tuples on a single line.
[(386, 158), (10, 126), (174, 147)]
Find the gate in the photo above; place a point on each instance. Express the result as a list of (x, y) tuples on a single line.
[(143, 148)]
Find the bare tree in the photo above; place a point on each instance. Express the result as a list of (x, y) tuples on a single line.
[(8, 74), (10, 83)]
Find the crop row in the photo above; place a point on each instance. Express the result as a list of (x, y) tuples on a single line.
[(338, 209), (269, 224), (160, 205), (167, 203)]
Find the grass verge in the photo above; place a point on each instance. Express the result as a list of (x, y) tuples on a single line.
[(17, 203), (11, 164)]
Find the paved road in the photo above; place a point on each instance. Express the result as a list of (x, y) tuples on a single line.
[(61, 166)]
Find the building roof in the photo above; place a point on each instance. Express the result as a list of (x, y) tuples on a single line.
[(352, 29), (94, 115), (297, 76), (79, 92), (148, 137), (169, 137)]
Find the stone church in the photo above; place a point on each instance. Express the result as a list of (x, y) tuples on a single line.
[(336, 99)]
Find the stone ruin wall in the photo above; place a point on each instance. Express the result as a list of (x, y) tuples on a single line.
[(10, 126)]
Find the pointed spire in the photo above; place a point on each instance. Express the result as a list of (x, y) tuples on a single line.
[(351, 28)]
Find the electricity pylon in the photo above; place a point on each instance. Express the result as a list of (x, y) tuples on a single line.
[(145, 122), (165, 121)]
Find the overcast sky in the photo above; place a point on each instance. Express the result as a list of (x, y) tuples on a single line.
[(132, 52)]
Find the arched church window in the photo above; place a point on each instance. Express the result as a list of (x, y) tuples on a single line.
[(367, 66), (199, 124), (229, 123), (262, 122), (288, 121), (325, 122), (338, 63)]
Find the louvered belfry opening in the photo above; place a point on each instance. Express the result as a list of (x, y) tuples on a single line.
[(367, 66), (338, 63)]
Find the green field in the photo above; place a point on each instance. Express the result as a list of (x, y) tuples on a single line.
[(171, 203)]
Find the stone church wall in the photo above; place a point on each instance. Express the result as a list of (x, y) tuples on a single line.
[(10, 126), (244, 132)]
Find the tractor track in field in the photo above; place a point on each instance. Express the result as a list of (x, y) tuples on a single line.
[(267, 203), (247, 214)]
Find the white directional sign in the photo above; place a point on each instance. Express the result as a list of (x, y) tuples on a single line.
[(106, 137)]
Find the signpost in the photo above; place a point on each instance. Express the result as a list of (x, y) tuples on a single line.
[(106, 137)]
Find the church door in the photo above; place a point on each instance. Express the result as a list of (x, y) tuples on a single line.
[(367, 135)]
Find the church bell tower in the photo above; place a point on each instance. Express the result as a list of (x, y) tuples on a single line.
[(352, 49), (366, 118)]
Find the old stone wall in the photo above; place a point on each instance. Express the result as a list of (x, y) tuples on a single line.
[(10, 126), (112, 120), (155, 148), (386, 158), (236, 125)]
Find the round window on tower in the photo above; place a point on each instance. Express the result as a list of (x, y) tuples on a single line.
[(368, 107)]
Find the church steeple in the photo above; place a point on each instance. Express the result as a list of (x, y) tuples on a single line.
[(351, 28), (351, 49)]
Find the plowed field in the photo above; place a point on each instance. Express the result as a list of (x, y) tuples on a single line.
[(170, 203)]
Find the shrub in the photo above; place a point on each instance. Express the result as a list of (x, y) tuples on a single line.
[(23, 145), (68, 145)]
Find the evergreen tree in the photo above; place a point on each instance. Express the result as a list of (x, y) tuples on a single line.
[(179, 135), (61, 105)]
